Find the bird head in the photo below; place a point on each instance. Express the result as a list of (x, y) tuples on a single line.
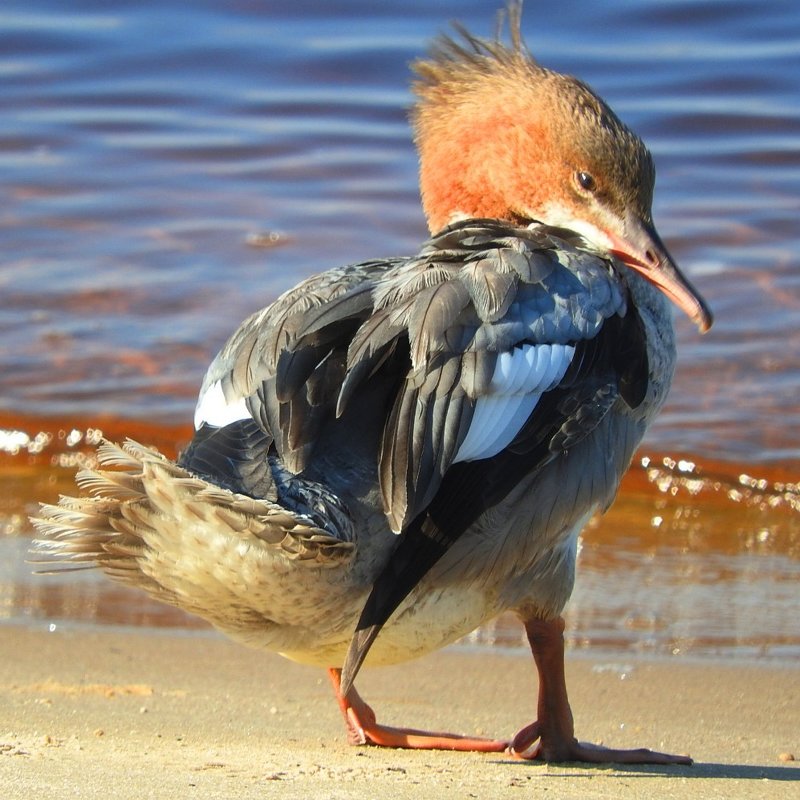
[(502, 137)]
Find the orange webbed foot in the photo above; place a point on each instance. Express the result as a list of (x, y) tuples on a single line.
[(532, 744), (551, 738), (363, 729)]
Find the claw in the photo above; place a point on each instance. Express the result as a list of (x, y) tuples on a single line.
[(524, 740)]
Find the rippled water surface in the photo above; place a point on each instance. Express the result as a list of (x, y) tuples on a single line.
[(167, 168)]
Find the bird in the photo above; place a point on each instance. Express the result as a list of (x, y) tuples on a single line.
[(394, 452)]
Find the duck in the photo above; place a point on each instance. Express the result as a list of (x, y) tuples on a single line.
[(395, 452)]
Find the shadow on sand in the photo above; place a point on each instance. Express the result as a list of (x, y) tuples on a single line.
[(739, 772)]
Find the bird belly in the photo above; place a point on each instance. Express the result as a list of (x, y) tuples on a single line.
[(427, 621)]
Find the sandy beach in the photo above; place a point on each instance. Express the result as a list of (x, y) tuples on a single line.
[(139, 715)]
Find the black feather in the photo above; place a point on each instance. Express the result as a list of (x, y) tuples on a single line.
[(599, 374), (233, 457)]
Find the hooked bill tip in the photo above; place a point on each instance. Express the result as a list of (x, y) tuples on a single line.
[(704, 320)]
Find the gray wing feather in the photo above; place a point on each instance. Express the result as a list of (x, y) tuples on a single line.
[(477, 290), (456, 330)]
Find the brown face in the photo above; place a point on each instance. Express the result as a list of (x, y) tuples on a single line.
[(610, 175)]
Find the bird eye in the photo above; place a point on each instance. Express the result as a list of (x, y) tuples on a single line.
[(585, 181)]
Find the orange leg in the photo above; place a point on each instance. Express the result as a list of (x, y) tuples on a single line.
[(552, 737), (362, 728)]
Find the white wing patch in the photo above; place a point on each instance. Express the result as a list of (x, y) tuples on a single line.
[(213, 409), (519, 380)]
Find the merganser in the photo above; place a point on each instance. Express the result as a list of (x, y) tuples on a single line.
[(397, 451)]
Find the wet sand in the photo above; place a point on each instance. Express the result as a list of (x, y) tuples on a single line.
[(133, 715)]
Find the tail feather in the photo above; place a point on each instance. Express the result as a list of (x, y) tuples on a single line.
[(135, 507), (119, 485)]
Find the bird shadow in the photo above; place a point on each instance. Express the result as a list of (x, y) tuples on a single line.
[(697, 770)]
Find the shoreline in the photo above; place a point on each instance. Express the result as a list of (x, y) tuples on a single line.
[(90, 713), (599, 656)]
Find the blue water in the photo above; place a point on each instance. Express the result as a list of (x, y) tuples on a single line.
[(141, 144), (148, 149)]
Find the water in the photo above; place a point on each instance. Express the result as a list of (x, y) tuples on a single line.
[(165, 169)]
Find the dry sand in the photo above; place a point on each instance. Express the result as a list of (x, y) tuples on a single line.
[(134, 715)]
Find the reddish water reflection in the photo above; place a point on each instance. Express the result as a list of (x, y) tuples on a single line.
[(700, 559)]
